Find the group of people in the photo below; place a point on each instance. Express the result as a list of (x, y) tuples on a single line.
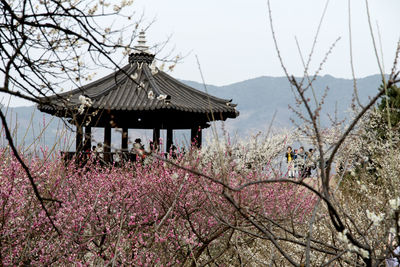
[(300, 163), (136, 153), (138, 149), (98, 151)]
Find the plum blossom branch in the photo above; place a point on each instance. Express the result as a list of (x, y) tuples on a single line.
[(26, 169)]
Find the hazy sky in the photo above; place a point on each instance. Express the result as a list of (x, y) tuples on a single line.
[(233, 40)]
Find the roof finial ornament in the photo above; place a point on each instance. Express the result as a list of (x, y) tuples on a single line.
[(141, 52), (141, 47)]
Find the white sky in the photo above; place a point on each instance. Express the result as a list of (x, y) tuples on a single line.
[(233, 40)]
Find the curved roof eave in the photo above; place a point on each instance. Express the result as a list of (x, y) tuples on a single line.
[(120, 91)]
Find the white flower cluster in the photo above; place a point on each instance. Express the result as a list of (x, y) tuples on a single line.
[(125, 3), (394, 203), (161, 97), (363, 187), (85, 102), (343, 238), (376, 219), (153, 68), (150, 95), (134, 76), (258, 152), (364, 253), (392, 230), (93, 9), (90, 76), (368, 147), (141, 85)]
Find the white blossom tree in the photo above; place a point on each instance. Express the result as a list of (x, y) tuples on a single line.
[(47, 46)]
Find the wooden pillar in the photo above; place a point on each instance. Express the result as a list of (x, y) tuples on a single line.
[(107, 144), (199, 137), (170, 138), (124, 141), (88, 139), (196, 136), (156, 137), (79, 138)]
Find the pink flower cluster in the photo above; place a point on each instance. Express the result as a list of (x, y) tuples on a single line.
[(138, 215)]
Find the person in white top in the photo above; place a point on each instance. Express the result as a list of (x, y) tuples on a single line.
[(138, 149), (99, 150), (394, 260)]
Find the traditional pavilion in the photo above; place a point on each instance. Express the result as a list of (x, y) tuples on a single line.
[(138, 96)]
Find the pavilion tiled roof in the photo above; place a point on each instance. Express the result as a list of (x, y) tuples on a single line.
[(139, 86)]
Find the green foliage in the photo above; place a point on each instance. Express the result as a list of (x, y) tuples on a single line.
[(369, 151), (390, 106), (380, 126)]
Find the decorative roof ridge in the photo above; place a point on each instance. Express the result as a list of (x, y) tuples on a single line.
[(150, 78), (142, 57), (141, 46), (141, 53)]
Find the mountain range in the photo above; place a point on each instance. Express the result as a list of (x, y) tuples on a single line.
[(263, 99), (260, 101)]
